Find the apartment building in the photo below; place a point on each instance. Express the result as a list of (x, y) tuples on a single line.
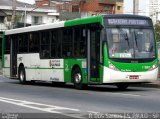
[(154, 10), (34, 14)]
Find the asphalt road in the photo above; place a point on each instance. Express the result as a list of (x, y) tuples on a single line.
[(43, 100)]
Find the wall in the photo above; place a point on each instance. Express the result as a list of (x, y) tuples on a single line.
[(96, 6), (41, 2), (101, 6), (121, 8), (45, 17)]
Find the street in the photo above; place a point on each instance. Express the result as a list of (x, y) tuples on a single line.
[(47, 101)]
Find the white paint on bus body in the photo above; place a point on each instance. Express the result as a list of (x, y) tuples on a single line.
[(6, 69), (41, 69), (52, 75), (110, 77)]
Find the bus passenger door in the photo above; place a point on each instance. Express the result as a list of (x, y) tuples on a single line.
[(93, 54), (13, 60)]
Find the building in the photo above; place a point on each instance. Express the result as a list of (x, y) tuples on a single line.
[(60, 5), (101, 6), (82, 8), (64, 7), (154, 10), (25, 14)]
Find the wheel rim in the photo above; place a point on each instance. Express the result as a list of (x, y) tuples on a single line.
[(78, 78), (22, 76)]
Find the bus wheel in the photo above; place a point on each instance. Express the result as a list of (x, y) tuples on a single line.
[(22, 75), (122, 86), (77, 78)]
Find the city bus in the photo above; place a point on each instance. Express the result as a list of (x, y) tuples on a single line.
[(96, 50)]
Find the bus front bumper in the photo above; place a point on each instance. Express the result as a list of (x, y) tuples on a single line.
[(112, 76)]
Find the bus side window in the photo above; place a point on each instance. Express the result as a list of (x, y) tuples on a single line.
[(23, 43), (53, 44), (67, 43), (45, 44), (34, 39), (7, 44), (77, 37), (31, 43), (80, 42), (83, 43)]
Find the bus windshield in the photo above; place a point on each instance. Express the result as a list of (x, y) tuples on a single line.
[(131, 43)]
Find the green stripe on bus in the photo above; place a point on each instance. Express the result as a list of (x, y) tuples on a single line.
[(94, 19)]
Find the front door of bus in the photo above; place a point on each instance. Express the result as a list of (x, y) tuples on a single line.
[(13, 55), (94, 52)]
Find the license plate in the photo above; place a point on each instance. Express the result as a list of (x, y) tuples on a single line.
[(133, 77)]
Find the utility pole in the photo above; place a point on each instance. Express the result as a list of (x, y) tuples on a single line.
[(25, 16), (13, 14), (135, 7)]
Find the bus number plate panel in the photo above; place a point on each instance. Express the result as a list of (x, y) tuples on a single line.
[(134, 77)]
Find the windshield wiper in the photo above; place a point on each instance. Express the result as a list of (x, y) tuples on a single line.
[(136, 39), (125, 36)]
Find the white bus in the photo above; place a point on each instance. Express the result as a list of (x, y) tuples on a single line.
[(105, 49)]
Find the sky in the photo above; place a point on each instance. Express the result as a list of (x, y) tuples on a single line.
[(143, 4), (128, 5), (27, 1)]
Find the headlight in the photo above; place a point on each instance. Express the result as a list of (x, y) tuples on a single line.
[(153, 67), (111, 66)]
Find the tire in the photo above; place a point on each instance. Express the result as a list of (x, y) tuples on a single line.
[(77, 78), (122, 86), (22, 75)]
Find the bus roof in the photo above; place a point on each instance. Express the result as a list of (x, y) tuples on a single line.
[(79, 21), (74, 22), (35, 28)]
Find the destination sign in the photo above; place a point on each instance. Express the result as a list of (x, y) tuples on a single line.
[(125, 21)]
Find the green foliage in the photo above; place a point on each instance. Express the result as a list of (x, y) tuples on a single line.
[(157, 31)]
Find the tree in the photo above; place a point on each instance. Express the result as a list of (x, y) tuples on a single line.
[(157, 31)]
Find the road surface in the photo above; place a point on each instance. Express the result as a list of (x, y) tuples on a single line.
[(43, 100)]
